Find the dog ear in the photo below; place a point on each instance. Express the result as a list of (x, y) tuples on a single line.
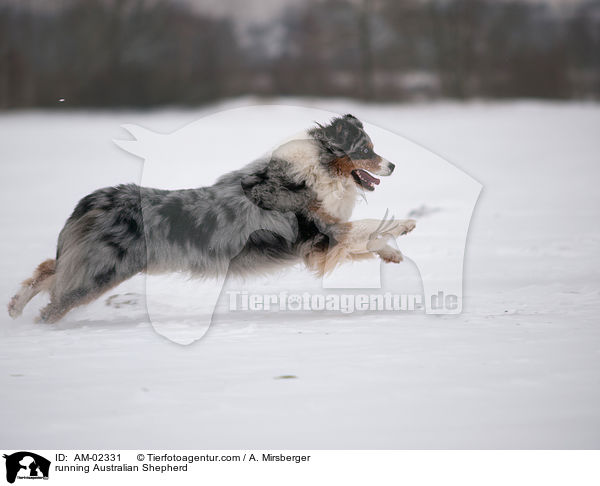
[(327, 136), (273, 189), (352, 119)]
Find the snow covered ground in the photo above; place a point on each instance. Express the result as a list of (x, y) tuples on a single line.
[(519, 368)]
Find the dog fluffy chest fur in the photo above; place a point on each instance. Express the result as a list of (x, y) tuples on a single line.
[(335, 196)]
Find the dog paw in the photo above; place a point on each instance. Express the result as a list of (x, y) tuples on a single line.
[(390, 255), (49, 314), (392, 228), (403, 227), (14, 310)]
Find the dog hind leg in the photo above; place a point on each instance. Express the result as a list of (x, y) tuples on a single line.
[(61, 304), (41, 280)]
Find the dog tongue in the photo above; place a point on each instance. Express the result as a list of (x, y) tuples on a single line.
[(365, 176)]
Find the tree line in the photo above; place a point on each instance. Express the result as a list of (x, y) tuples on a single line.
[(111, 53)]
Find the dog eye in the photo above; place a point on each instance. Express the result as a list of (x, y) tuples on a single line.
[(365, 151)]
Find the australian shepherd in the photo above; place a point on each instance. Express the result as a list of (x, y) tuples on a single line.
[(293, 205)]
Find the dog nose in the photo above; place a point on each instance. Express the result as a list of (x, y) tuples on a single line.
[(391, 166)]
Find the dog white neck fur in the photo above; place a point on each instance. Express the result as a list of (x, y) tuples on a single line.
[(337, 195)]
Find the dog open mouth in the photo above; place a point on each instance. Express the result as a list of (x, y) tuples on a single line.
[(364, 179)]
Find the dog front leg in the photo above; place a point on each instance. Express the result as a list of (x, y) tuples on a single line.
[(389, 254), (373, 236), (359, 240)]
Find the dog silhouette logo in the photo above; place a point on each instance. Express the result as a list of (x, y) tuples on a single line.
[(27, 465), (426, 187)]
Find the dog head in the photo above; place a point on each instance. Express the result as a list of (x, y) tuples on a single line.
[(347, 151)]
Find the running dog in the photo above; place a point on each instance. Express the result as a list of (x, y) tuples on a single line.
[(293, 205)]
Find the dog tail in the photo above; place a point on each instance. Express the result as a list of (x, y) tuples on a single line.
[(42, 279)]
